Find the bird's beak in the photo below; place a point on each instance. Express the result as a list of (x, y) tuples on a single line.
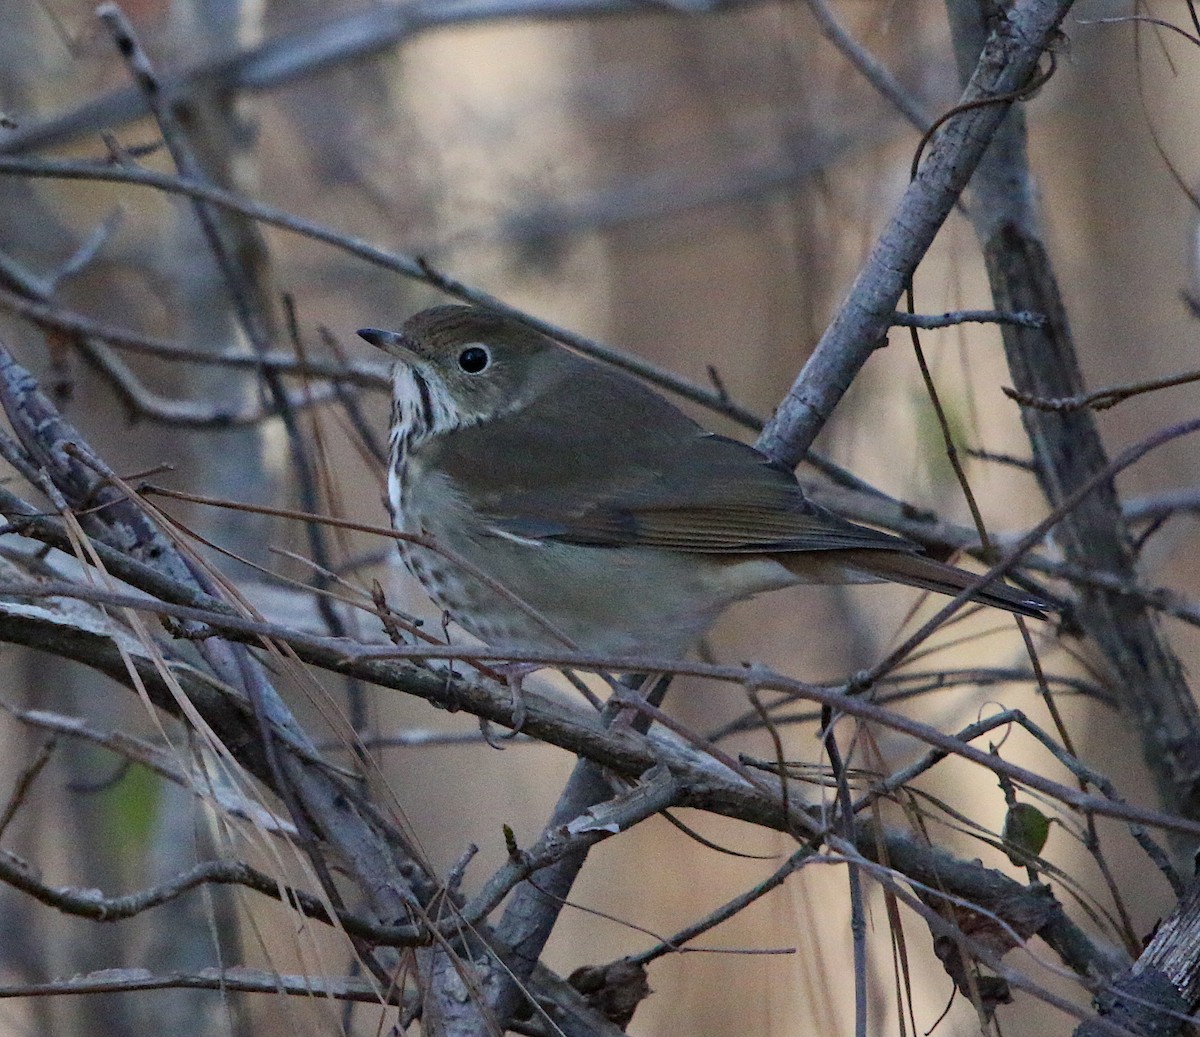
[(392, 342)]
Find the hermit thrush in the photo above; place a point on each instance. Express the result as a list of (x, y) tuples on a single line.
[(579, 508)]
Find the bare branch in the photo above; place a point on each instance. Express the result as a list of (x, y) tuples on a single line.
[(1009, 60), (240, 978)]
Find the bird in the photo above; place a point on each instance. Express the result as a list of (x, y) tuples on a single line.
[(561, 504)]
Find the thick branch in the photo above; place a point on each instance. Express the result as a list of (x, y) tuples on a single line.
[(1161, 990), (1005, 66)]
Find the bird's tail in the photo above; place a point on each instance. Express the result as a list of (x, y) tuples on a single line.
[(916, 570)]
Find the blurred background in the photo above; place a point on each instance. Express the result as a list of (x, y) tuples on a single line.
[(694, 187)]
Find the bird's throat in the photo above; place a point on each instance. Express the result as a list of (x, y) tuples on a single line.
[(422, 407)]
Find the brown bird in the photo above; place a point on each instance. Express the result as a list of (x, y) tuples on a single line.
[(613, 522)]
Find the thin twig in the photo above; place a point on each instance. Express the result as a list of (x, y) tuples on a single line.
[(869, 66), (56, 317), (1099, 399), (929, 321), (1129, 457)]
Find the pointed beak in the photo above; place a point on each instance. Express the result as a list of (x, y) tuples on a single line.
[(392, 342)]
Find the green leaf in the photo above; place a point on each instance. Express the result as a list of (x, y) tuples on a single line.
[(1025, 831)]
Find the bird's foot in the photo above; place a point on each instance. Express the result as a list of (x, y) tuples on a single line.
[(513, 675)]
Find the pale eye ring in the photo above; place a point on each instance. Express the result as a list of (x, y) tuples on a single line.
[(474, 359)]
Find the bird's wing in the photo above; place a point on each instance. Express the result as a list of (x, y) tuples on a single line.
[(717, 496), (642, 474)]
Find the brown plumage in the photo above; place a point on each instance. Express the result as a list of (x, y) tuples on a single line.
[(624, 524)]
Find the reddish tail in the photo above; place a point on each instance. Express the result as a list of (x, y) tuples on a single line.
[(916, 570)]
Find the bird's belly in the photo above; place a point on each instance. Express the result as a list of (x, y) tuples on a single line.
[(549, 596)]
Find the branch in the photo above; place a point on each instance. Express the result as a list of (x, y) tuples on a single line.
[(1160, 991), (242, 979), (1100, 399), (1069, 454), (872, 70), (706, 784), (56, 317), (303, 54), (1004, 67), (693, 781), (263, 732)]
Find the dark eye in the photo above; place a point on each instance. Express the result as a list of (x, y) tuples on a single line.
[(474, 359)]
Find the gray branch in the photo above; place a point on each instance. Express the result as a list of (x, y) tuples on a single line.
[(1005, 66)]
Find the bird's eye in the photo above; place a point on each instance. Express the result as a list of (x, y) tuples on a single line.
[(474, 359)]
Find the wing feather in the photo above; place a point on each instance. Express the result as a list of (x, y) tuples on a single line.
[(668, 484)]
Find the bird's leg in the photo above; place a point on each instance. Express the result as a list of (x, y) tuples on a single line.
[(513, 676)]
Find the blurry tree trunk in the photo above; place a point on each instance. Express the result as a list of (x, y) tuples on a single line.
[(33, 238), (1143, 668), (199, 931)]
